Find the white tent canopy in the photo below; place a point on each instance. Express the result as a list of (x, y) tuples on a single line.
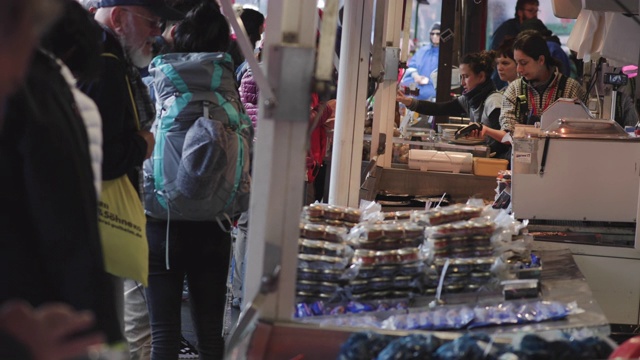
[(603, 29)]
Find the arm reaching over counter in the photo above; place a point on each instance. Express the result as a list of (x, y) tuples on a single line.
[(480, 101)]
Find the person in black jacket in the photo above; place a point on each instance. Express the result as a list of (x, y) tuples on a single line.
[(129, 31), (253, 22), (49, 247), (480, 99), (50, 239)]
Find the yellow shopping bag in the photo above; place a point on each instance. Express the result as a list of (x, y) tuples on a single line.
[(122, 226)]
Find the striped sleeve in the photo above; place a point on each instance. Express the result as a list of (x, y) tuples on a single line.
[(574, 90), (508, 116)]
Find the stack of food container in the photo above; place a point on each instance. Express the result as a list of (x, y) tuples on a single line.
[(459, 243), (333, 215), (387, 262), (323, 253)]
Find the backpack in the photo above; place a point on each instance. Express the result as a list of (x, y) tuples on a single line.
[(200, 167)]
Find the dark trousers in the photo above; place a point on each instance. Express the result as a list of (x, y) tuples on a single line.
[(199, 250)]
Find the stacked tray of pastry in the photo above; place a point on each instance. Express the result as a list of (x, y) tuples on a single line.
[(387, 262), (331, 215), (323, 256)]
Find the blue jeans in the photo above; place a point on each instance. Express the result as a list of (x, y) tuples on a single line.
[(201, 251)]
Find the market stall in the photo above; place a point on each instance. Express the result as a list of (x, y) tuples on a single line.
[(283, 271), (561, 276), (587, 199)]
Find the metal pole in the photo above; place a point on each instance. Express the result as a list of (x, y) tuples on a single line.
[(385, 100), (415, 25), (279, 155), (443, 87), (346, 160)]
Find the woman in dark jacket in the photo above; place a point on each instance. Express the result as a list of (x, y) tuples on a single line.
[(480, 99), (253, 22)]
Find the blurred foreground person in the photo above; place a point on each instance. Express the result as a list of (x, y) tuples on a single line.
[(49, 249)]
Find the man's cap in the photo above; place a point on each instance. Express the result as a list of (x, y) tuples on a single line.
[(158, 7)]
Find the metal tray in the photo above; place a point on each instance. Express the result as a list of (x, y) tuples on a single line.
[(585, 129)]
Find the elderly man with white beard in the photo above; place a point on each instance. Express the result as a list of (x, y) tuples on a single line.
[(129, 29)]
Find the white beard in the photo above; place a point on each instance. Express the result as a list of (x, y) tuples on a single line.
[(136, 52), (138, 57)]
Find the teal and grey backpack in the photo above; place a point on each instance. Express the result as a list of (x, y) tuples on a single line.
[(200, 167)]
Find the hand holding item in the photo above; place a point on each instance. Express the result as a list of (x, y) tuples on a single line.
[(48, 331), (471, 130), (402, 99)]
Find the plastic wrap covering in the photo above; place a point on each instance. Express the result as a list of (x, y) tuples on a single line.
[(478, 346), (331, 215)]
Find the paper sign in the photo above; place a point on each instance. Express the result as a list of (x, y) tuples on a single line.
[(521, 157)]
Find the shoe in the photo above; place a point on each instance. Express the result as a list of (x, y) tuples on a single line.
[(187, 351)]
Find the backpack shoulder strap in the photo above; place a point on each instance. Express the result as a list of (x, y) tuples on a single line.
[(562, 85), (522, 103)]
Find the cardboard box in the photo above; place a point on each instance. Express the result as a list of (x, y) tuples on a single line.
[(488, 166)]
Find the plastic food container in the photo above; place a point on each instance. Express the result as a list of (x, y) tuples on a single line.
[(387, 270), (411, 269), (381, 283), (359, 286), (367, 271), (520, 289), (488, 167), (402, 282), (364, 257), (529, 273), (447, 161), (307, 286), (309, 274), (330, 275)]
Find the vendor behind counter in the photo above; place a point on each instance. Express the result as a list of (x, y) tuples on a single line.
[(480, 99)]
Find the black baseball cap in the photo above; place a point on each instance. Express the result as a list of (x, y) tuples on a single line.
[(158, 7)]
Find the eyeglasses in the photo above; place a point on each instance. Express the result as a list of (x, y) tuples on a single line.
[(532, 11), (434, 33), (153, 23)]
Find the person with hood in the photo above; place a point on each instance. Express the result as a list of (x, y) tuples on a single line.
[(480, 99), (422, 64)]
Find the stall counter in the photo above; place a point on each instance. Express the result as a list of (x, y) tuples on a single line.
[(561, 281)]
